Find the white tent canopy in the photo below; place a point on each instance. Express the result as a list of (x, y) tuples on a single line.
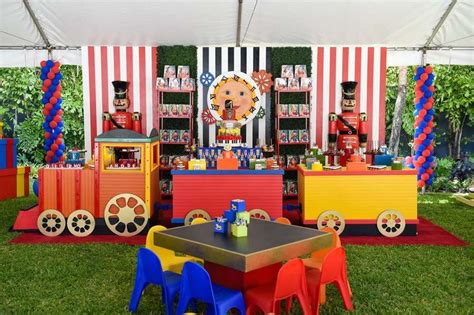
[(444, 28)]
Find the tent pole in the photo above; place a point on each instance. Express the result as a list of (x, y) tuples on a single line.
[(440, 22), (38, 25), (239, 23)]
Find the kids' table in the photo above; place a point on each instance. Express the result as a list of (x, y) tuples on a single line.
[(242, 263)]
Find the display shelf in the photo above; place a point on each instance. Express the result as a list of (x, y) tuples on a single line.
[(294, 90), (294, 117), (175, 91), (293, 143), (175, 117)]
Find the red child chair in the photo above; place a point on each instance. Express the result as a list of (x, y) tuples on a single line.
[(283, 220), (291, 280), (333, 270)]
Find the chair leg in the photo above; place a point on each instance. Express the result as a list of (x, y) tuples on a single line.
[(345, 294), (136, 295), (182, 304), (289, 302), (168, 299), (304, 303), (322, 294)]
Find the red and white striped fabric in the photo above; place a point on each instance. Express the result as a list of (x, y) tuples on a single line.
[(103, 64), (333, 65)]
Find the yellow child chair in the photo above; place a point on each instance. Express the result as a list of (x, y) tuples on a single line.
[(168, 258), (317, 258), (198, 221)]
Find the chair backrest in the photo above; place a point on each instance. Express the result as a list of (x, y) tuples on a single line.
[(166, 256), (333, 265), (196, 282), (283, 220), (291, 279), (336, 240), (198, 221), (149, 266)]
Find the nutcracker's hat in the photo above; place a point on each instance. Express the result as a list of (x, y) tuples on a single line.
[(228, 104), (349, 90), (120, 89)]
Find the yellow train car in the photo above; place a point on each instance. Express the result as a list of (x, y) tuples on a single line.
[(382, 202)]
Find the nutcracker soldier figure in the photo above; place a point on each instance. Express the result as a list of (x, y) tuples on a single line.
[(352, 126), (121, 119)]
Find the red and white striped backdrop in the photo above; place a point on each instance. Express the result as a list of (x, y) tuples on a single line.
[(333, 65), (103, 64)]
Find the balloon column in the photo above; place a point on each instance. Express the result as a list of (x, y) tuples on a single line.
[(424, 160), (53, 123)]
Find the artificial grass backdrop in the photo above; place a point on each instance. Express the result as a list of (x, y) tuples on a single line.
[(98, 278)]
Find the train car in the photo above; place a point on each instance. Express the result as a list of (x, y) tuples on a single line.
[(119, 192), (208, 193), (382, 202)]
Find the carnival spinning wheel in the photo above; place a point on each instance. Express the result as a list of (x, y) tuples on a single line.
[(194, 214), (332, 219), (259, 214), (391, 223), (126, 215), (51, 222), (81, 223)]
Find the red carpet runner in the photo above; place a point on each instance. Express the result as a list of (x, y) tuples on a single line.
[(428, 234)]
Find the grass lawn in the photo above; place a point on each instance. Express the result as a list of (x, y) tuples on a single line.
[(98, 278)]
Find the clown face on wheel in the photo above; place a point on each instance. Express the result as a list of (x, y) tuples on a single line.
[(352, 126)]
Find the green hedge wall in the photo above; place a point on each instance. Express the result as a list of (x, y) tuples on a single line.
[(289, 56), (184, 56)]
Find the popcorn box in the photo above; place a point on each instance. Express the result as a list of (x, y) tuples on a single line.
[(220, 225), (239, 230), (237, 205), (195, 164), (230, 215)]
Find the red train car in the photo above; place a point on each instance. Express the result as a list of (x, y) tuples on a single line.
[(208, 193)]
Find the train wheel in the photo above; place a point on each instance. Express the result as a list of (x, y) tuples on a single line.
[(126, 215), (332, 219), (51, 222), (391, 223), (259, 214), (81, 223), (196, 213)]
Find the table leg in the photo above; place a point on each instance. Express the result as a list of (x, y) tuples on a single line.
[(241, 281)]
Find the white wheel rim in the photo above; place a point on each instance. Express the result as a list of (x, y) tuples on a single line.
[(126, 215), (332, 219), (259, 214), (391, 223), (51, 222), (81, 223), (196, 213)]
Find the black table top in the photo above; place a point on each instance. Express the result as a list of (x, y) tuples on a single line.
[(267, 242)]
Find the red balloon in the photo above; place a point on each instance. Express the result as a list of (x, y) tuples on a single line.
[(59, 88), (428, 69), (50, 153), (422, 136), (59, 112), (47, 159), (57, 94), (57, 118), (58, 141), (421, 159), (54, 147), (418, 141), (53, 100), (432, 88), (428, 106), (427, 130), (50, 75), (47, 82), (55, 69), (48, 106), (47, 135), (61, 158), (421, 183), (430, 147), (424, 76), (45, 112), (426, 153), (60, 135), (430, 124), (57, 64), (419, 94), (425, 176), (422, 113), (44, 88), (43, 63), (429, 170), (53, 124)]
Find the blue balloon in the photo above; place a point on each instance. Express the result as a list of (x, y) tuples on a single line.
[(45, 147), (49, 118), (59, 153), (424, 88), (423, 124), (416, 77), (62, 146), (57, 106), (60, 101), (53, 87), (59, 75), (421, 147), (430, 136), (50, 63), (55, 159), (60, 124), (49, 142), (419, 106), (430, 112), (428, 82), (430, 76), (56, 81), (427, 118), (427, 141), (420, 70), (44, 100), (45, 125), (429, 182), (43, 77), (430, 158), (428, 94), (426, 164), (53, 112), (48, 95)]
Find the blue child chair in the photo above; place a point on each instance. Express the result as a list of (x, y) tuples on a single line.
[(196, 284), (149, 271)]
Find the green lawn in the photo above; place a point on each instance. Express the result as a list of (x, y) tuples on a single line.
[(98, 278)]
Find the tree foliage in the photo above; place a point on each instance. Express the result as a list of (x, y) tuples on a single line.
[(21, 108)]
